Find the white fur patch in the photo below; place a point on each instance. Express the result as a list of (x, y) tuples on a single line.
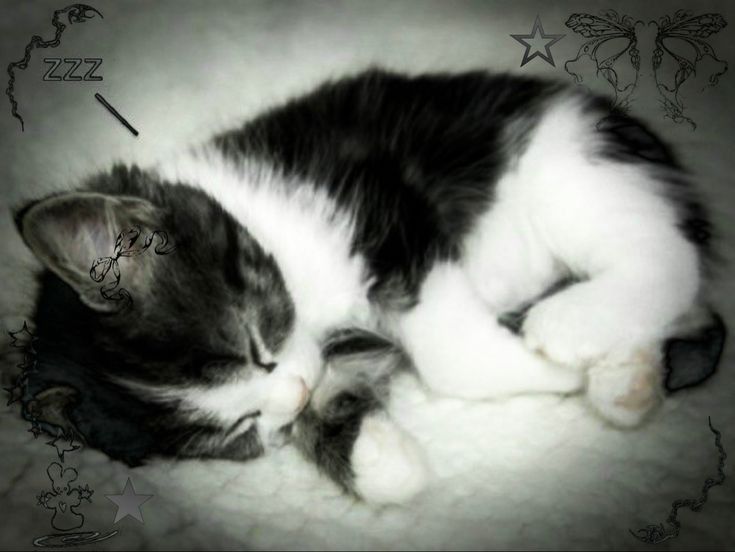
[(564, 208), (298, 224)]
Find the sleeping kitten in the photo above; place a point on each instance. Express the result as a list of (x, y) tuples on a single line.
[(379, 222)]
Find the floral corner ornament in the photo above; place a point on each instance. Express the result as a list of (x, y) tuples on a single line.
[(76, 13)]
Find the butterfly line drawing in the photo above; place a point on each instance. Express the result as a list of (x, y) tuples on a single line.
[(125, 247), (679, 47)]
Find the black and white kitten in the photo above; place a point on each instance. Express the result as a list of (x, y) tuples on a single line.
[(382, 220)]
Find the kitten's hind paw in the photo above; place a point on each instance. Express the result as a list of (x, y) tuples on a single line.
[(389, 466), (623, 393)]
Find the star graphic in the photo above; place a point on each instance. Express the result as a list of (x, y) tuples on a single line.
[(27, 367), (22, 338), (85, 493), (547, 41), (129, 503), (63, 446), (15, 392)]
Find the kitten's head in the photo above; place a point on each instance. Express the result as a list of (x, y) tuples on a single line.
[(207, 359)]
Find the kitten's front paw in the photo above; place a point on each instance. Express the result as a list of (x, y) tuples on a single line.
[(389, 466), (624, 393), (569, 330)]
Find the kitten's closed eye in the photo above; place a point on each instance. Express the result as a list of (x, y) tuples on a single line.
[(260, 359), (259, 353), (219, 369), (237, 424), (210, 367)]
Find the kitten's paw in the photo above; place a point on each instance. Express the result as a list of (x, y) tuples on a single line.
[(623, 393), (570, 330), (389, 466)]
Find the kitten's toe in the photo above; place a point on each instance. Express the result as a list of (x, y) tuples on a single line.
[(389, 466), (625, 392)]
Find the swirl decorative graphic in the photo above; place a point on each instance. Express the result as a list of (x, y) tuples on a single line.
[(678, 48), (62, 540), (76, 13), (125, 247), (655, 534)]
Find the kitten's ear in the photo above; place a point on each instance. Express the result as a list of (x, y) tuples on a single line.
[(69, 232)]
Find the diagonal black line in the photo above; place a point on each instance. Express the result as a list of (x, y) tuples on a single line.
[(119, 117)]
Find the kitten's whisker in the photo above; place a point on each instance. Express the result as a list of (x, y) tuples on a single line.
[(189, 435)]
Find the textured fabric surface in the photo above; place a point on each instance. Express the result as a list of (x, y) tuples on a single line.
[(531, 472)]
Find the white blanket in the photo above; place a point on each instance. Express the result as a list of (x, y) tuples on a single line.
[(531, 472)]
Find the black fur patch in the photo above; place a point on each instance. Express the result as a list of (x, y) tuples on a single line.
[(413, 158)]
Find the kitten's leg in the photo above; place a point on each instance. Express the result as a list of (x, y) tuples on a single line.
[(608, 220), (643, 275), (348, 435), (615, 324), (459, 349), (630, 302)]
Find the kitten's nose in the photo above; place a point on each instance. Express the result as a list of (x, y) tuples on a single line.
[(303, 394), (289, 395)]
